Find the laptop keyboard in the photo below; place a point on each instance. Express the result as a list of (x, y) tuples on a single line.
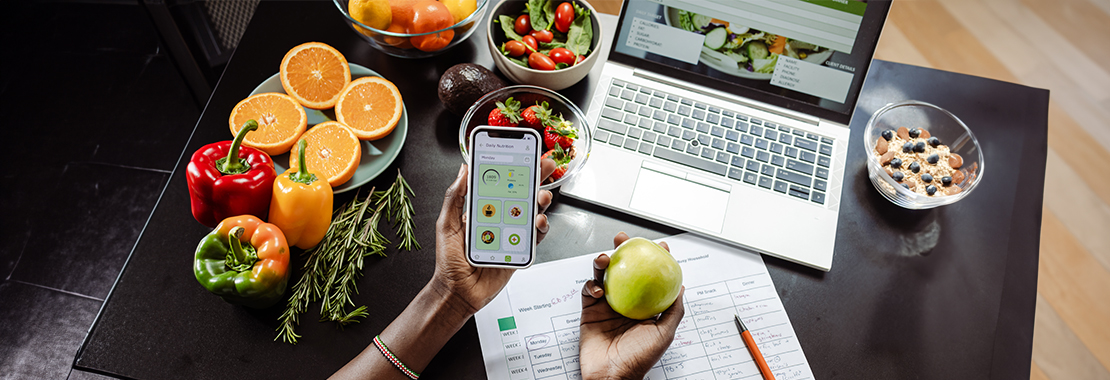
[(726, 143)]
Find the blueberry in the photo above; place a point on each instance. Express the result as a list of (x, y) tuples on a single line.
[(946, 180), (896, 162), (888, 134), (915, 167), (933, 158), (919, 147), (927, 177), (914, 132), (931, 189), (907, 147), (906, 186), (934, 141), (898, 176)]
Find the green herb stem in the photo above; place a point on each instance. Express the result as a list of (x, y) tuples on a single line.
[(333, 267)]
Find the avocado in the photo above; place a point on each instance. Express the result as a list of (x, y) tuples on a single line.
[(462, 85)]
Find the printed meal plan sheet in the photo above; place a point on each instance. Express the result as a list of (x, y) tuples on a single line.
[(530, 331)]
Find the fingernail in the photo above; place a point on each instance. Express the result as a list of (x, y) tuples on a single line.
[(462, 169)]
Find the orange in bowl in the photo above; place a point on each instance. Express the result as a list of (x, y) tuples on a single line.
[(281, 120), (333, 152), (370, 106), (315, 73)]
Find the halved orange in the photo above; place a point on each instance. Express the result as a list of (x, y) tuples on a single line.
[(315, 73), (370, 106), (333, 152), (281, 120)]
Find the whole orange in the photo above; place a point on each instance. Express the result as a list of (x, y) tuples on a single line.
[(398, 42), (402, 13), (430, 16)]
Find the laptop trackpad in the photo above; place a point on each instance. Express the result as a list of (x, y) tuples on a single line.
[(678, 199)]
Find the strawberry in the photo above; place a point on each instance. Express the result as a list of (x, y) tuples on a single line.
[(536, 116), (558, 173), (559, 132), (506, 114), (562, 161)]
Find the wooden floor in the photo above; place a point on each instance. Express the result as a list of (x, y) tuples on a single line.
[(1063, 46)]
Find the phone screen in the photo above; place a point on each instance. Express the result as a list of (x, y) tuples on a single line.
[(503, 197)]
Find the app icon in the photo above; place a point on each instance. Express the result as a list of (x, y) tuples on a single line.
[(488, 238), (488, 210), (516, 212), (512, 239), (508, 258)]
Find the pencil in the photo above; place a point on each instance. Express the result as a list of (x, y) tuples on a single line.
[(754, 350)]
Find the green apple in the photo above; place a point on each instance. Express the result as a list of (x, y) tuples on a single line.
[(642, 279)]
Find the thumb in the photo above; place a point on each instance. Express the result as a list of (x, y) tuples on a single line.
[(454, 201)]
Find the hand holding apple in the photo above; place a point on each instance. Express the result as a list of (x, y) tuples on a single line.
[(613, 346)]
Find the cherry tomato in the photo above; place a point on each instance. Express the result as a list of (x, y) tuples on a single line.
[(564, 16), (531, 42), (562, 55), (579, 59), (544, 36), (539, 61), (514, 48), (523, 25)]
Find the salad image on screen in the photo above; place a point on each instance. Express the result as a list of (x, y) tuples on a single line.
[(740, 50)]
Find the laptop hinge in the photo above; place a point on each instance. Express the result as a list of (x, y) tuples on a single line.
[(665, 80)]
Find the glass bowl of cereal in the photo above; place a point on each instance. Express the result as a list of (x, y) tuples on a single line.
[(921, 156)]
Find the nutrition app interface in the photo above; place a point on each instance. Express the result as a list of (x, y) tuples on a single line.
[(501, 208)]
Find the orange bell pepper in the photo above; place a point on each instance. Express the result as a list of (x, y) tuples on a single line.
[(301, 205)]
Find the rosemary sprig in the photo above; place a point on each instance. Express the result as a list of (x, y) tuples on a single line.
[(400, 212), (333, 267)]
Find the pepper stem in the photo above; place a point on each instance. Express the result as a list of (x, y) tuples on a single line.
[(232, 164), (242, 256), (302, 175)]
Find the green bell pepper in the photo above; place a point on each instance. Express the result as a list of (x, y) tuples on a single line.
[(244, 261)]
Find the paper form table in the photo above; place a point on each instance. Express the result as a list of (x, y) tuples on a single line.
[(530, 331)]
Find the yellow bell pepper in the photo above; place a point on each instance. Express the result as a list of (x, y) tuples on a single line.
[(301, 205)]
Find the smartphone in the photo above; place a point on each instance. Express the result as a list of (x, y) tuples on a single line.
[(504, 180)]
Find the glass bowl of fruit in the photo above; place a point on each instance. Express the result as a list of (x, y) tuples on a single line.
[(562, 124), (412, 28), (920, 156)]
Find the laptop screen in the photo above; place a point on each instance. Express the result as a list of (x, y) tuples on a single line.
[(806, 55)]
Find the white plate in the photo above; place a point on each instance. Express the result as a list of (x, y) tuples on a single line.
[(377, 155)]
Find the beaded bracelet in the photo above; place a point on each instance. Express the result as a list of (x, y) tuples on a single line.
[(393, 359)]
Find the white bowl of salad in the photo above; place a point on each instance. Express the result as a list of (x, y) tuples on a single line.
[(551, 46), (740, 50)]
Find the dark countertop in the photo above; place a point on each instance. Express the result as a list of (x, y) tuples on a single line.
[(942, 293)]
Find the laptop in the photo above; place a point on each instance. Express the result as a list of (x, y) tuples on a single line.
[(729, 118)]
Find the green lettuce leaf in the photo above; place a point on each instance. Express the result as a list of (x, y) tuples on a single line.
[(581, 33), (535, 14), (507, 26)]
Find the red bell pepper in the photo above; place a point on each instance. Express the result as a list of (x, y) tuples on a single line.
[(220, 187)]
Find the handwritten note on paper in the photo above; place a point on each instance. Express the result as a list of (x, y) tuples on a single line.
[(530, 331)]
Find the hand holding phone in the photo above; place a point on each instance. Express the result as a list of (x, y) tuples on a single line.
[(503, 184)]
